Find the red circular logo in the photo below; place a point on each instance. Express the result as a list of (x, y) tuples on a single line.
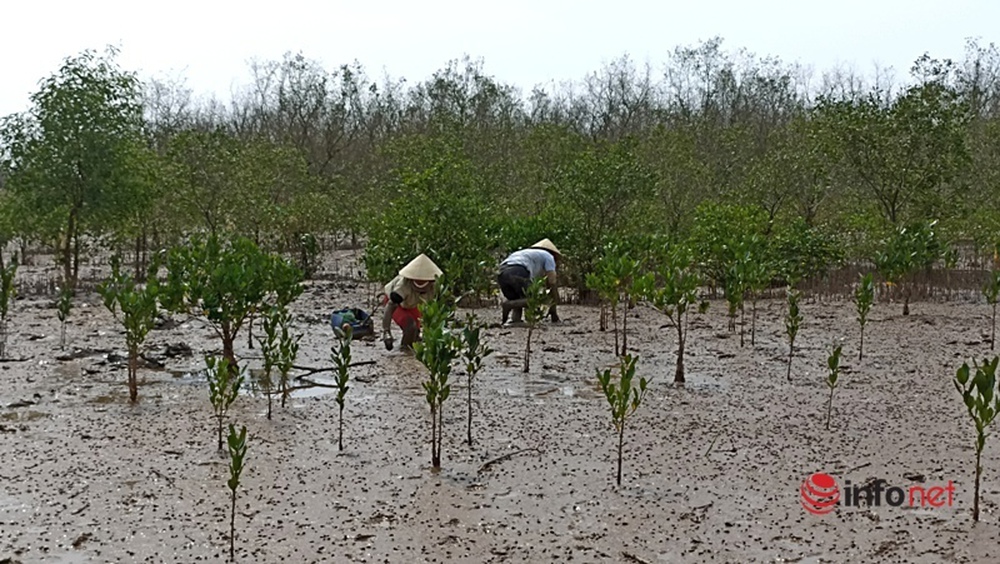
[(820, 494)]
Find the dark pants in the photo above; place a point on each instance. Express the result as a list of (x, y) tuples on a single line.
[(514, 281)]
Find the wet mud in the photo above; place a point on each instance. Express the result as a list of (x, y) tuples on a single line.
[(712, 469)]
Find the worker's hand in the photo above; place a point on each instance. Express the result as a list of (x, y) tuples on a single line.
[(387, 340)]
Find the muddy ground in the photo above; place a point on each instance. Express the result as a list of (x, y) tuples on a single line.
[(712, 469)]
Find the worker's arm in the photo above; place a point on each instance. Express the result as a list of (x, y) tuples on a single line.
[(395, 300), (387, 317), (550, 281)]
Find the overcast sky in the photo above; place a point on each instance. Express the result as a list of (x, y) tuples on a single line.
[(209, 42)]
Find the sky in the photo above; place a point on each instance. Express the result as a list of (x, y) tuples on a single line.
[(210, 43)]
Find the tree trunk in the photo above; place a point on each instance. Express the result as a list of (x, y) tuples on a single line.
[(228, 350), (67, 250), (621, 442), (527, 352), (993, 330), (469, 388), (743, 322), (861, 347), (133, 367), (340, 432), (435, 460), (614, 323), (753, 323), (829, 409), (250, 332), (603, 323), (269, 394), (679, 374), (76, 260), (232, 529), (624, 330), (979, 471), (220, 418), (791, 350), (440, 432)]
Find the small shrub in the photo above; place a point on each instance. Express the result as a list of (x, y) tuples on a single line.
[(983, 404), (7, 294), (623, 399), (833, 364), (534, 312), (223, 388), (474, 351), (341, 353), (792, 322), (864, 297), (64, 306), (437, 351), (237, 452)]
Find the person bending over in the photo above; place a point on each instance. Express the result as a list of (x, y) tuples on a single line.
[(517, 272), (413, 286)]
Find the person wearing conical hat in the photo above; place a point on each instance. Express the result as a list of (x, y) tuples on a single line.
[(413, 286), (519, 269)]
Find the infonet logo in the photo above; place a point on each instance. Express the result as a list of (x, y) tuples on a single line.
[(820, 494)]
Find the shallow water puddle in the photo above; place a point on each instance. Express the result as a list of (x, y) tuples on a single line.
[(23, 416), (559, 385)]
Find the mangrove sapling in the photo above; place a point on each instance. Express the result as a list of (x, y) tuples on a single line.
[(616, 280), (991, 290), (534, 312), (64, 306), (223, 388), (604, 281), (7, 293), (793, 319), (623, 398), (636, 288), (756, 274), (982, 403), (342, 361), (864, 297), (439, 348), (135, 307), (676, 297), (269, 348), (833, 363), (474, 351), (607, 291), (288, 351), (911, 248), (226, 282), (735, 290), (237, 452)]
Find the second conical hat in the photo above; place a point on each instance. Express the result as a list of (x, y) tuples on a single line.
[(421, 268), (547, 245)]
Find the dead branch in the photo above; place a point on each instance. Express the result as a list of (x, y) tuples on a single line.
[(309, 370), (487, 465), (633, 558)]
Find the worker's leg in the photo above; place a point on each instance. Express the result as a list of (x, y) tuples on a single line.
[(409, 321), (514, 282)]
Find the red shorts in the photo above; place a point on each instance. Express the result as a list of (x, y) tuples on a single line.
[(404, 316)]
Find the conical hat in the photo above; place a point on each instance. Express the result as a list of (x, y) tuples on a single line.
[(421, 268), (547, 245)]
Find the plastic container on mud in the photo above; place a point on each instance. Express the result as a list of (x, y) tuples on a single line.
[(360, 321)]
